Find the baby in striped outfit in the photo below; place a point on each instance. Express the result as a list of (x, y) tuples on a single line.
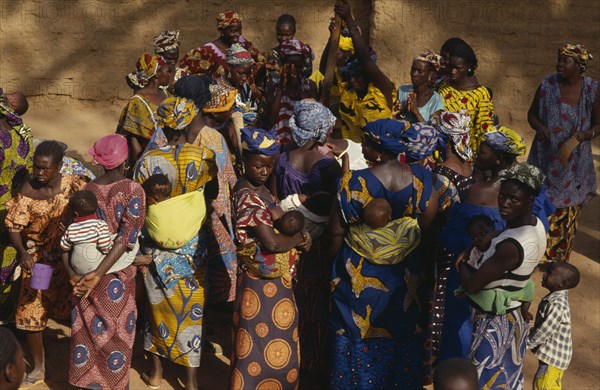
[(86, 227)]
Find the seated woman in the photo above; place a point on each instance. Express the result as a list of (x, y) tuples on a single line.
[(248, 100), (367, 93), (138, 119), (461, 91), (293, 87), (418, 101), (265, 319), (211, 58), (379, 310), (174, 323), (499, 340)]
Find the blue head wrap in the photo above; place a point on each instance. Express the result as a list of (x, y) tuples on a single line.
[(311, 120), (389, 134), (352, 67), (423, 140), (259, 141)]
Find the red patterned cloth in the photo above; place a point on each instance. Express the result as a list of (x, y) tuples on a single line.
[(103, 325)]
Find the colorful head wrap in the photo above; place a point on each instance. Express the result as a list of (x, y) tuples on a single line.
[(505, 140), (346, 44), (311, 120), (353, 67), (227, 18), (237, 55), (423, 140), (221, 98), (456, 126), (579, 52), (176, 113), (389, 134), (259, 141), (165, 41), (429, 57), (296, 47), (146, 68), (525, 173), (110, 151), (8, 113)]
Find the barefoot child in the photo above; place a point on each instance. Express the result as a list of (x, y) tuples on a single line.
[(550, 338)]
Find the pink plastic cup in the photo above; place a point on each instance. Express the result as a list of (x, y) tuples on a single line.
[(41, 275)]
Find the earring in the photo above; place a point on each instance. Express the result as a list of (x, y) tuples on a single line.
[(470, 70), (378, 159)]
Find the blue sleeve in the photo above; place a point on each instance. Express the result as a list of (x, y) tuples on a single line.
[(543, 208)]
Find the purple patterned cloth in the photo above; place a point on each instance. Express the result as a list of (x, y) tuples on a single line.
[(576, 183)]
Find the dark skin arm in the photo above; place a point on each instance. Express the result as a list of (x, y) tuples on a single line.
[(278, 243), (534, 121), (506, 258), (336, 231), (24, 257), (274, 99), (377, 77)]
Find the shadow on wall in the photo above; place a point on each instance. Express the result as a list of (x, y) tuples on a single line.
[(59, 52)]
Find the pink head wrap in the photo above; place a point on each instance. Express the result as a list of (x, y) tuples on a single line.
[(110, 151)]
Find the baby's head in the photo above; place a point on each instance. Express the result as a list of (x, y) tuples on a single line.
[(455, 374), (559, 275), (290, 223), (157, 188), (18, 102), (83, 203), (377, 213), (481, 230)]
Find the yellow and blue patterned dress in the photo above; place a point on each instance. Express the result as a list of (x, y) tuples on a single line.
[(379, 312)]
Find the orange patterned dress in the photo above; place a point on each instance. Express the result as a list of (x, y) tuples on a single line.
[(39, 222), (266, 350)]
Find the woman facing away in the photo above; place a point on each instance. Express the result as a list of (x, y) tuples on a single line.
[(34, 221), (222, 260), (266, 351), (379, 310), (173, 327), (104, 311), (566, 107)]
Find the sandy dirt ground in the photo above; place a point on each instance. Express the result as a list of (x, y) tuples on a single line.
[(84, 126)]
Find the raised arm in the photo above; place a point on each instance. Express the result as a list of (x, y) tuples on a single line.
[(379, 79)]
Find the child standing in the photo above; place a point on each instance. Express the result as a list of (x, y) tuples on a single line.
[(550, 338)]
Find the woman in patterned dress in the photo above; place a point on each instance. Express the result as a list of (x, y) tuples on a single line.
[(104, 313), (174, 322), (461, 91), (138, 118), (15, 163), (566, 105), (266, 351), (211, 59), (34, 222), (379, 311)]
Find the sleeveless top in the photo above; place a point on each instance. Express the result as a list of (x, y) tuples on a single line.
[(531, 243)]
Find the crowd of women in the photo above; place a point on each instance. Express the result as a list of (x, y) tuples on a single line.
[(214, 153)]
